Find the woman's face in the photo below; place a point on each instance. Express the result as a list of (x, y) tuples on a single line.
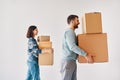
[(35, 32)]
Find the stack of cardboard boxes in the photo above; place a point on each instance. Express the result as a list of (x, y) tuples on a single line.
[(44, 43), (92, 40)]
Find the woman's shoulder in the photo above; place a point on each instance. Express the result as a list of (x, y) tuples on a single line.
[(31, 39)]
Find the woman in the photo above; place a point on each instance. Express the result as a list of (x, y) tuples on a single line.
[(33, 51)]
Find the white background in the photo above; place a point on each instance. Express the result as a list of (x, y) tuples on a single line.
[(50, 17)]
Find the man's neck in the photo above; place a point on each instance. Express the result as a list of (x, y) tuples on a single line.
[(71, 27)]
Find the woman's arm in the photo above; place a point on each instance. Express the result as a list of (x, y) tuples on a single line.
[(33, 47)]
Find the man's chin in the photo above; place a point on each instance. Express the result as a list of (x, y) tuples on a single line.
[(76, 27)]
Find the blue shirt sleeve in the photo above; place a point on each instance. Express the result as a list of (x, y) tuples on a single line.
[(33, 47), (70, 39)]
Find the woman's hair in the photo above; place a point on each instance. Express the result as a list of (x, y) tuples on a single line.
[(30, 31)]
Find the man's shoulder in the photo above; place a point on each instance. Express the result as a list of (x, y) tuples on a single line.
[(68, 30)]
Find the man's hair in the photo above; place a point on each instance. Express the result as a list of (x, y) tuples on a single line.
[(71, 17), (30, 31)]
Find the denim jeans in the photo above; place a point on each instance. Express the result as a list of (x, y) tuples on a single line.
[(33, 71)]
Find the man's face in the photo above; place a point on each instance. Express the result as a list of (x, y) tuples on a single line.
[(76, 22)]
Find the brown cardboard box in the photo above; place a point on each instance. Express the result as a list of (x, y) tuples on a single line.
[(95, 44), (92, 23), (45, 59), (43, 38), (46, 44)]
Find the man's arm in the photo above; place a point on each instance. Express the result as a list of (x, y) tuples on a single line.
[(70, 39)]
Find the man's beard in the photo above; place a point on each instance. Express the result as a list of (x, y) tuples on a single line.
[(76, 26)]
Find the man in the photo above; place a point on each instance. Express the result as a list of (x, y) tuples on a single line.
[(71, 50)]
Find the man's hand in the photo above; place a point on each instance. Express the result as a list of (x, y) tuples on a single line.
[(89, 58)]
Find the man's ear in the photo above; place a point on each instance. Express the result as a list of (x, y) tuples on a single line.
[(72, 21)]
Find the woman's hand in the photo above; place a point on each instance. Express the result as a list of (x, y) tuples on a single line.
[(47, 50)]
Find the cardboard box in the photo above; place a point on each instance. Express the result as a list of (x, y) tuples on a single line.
[(43, 38), (45, 59), (46, 44), (95, 44), (92, 23)]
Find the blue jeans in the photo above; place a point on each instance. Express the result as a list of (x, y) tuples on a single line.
[(68, 70), (33, 71)]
